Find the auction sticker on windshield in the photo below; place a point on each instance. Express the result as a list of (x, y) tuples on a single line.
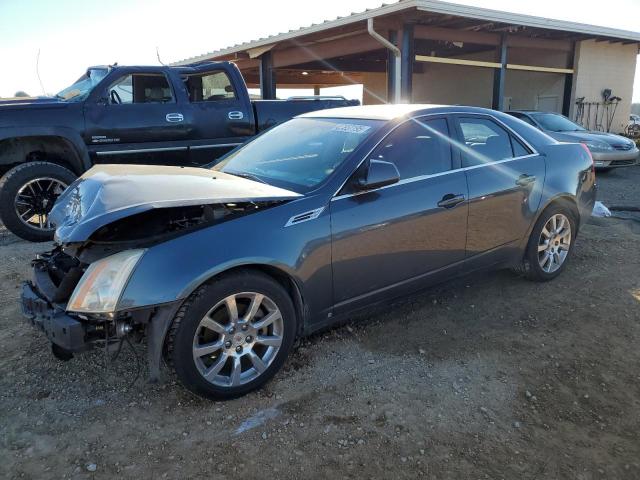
[(350, 128)]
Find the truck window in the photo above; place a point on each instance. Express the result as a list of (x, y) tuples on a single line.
[(140, 88), (209, 87)]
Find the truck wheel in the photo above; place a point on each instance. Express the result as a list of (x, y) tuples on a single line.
[(232, 335), (550, 244), (27, 194)]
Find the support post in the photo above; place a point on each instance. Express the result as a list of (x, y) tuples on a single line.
[(406, 63), (267, 77), (499, 75), (316, 90), (568, 83), (392, 67)]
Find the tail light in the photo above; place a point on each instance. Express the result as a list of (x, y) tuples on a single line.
[(593, 165)]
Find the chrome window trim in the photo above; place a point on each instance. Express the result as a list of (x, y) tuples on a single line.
[(433, 175), (533, 153)]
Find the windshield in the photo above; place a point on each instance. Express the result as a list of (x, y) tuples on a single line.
[(299, 154), (556, 123), (83, 86)]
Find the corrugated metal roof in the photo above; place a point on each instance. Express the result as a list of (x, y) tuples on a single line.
[(432, 6)]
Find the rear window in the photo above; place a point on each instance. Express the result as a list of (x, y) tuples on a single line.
[(210, 87)]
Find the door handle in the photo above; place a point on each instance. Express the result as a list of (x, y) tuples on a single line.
[(525, 180), (235, 115), (450, 200), (174, 117)]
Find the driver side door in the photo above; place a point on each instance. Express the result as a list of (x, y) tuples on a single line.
[(393, 239), (137, 119)]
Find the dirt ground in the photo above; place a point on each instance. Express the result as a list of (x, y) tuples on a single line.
[(489, 376)]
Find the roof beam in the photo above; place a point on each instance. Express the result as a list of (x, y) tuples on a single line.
[(322, 51)]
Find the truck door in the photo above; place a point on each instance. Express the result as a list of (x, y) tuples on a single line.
[(220, 120), (136, 119)]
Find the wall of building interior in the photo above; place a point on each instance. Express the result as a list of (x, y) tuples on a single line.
[(470, 85), (601, 65)]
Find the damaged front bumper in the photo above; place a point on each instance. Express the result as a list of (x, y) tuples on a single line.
[(71, 333), (61, 329)]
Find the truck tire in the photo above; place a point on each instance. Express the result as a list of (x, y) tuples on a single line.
[(27, 194), (232, 335)]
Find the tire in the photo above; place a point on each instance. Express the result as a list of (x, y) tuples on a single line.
[(204, 320), (22, 180), (535, 267)]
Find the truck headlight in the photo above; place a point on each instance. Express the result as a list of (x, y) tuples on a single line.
[(99, 289), (597, 146)]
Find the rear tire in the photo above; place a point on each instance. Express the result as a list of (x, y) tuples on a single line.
[(27, 194), (550, 244), (219, 348)]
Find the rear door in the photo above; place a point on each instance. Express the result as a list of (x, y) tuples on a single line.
[(389, 239), (219, 114), (505, 177), (136, 119)]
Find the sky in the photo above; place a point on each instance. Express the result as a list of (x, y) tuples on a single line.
[(73, 34)]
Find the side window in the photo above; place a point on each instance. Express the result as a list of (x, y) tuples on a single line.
[(209, 87), (526, 118), (418, 147), (140, 88), (519, 150), (486, 141)]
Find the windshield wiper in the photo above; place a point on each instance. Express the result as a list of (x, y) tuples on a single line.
[(248, 176)]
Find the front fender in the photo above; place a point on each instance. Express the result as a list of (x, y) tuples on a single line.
[(81, 163), (172, 270)]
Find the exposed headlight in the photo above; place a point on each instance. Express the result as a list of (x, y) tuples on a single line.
[(595, 145), (102, 284)]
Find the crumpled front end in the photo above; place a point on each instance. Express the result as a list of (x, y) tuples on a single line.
[(46, 299)]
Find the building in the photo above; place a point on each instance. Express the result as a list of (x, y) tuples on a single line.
[(429, 51)]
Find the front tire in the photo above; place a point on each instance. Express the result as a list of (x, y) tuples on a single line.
[(550, 244), (232, 335), (27, 194)]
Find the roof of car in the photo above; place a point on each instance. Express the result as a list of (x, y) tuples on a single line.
[(531, 112), (373, 112)]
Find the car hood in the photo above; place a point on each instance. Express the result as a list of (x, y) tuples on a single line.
[(590, 135), (107, 193), (30, 102)]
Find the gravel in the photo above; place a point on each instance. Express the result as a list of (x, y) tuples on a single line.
[(445, 397)]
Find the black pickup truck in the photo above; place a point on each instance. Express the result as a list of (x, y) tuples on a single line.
[(187, 115)]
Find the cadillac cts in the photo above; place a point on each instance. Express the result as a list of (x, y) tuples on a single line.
[(222, 268)]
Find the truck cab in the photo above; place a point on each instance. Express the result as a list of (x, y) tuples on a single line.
[(161, 115)]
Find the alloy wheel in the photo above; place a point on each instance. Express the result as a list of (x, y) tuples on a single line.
[(554, 243), (237, 340), (35, 199)]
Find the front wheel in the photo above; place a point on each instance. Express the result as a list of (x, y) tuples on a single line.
[(232, 335), (27, 194), (550, 244)]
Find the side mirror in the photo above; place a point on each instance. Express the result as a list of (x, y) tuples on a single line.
[(379, 174)]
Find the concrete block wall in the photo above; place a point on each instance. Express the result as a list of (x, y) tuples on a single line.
[(600, 65)]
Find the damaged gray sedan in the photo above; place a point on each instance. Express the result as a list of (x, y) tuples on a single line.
[(221, 269)]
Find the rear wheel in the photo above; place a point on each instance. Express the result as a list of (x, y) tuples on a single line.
[(232, 336), (550, 244), (27, 194)]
